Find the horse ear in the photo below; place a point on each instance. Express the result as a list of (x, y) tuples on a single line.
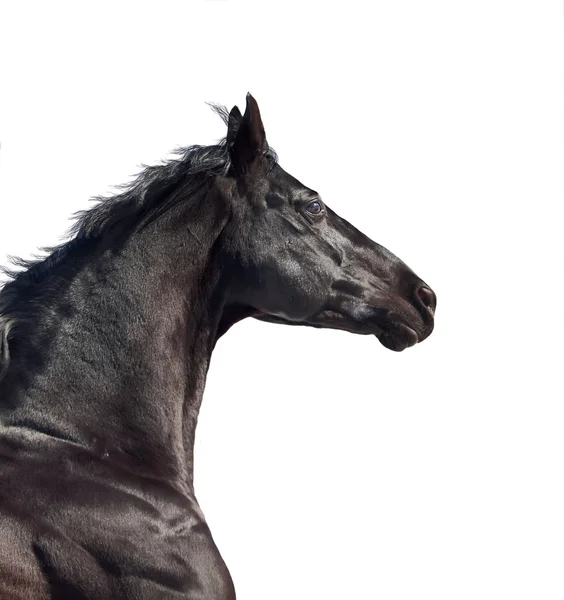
[(250, 139), (233, 123)]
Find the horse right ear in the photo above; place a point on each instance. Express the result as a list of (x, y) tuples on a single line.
[(250, 139)]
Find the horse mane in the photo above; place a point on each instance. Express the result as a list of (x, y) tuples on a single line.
[(140, 201)]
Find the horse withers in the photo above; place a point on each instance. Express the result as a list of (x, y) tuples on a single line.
[(105, 345)]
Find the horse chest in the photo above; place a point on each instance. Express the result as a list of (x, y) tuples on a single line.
[(88, 538)]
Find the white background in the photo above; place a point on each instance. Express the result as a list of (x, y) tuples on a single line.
[(329, 467)]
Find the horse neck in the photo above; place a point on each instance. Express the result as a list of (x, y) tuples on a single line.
[(117, 361)]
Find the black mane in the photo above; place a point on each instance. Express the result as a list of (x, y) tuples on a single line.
[(140, 202)]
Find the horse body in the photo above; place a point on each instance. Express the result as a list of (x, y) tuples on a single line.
[(106, 347)]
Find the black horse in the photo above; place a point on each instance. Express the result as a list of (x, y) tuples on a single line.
[(105, 346)]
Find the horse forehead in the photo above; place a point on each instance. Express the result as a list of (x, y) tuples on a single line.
[(276, 189), (284, 184)]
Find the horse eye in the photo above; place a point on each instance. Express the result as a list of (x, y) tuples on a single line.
[(314, 208)]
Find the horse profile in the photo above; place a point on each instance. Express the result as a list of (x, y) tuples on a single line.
[(105, 347)]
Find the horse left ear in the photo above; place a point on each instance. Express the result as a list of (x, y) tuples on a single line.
[(233, 123), (250, 139)]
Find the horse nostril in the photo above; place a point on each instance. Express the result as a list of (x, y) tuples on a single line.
[(428, 298)]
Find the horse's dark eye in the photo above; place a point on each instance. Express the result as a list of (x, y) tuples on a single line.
[(314, 208)]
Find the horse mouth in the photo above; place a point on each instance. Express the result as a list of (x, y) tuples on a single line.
[(398, 338)]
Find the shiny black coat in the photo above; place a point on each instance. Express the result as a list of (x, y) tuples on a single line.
[(105, 347)]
